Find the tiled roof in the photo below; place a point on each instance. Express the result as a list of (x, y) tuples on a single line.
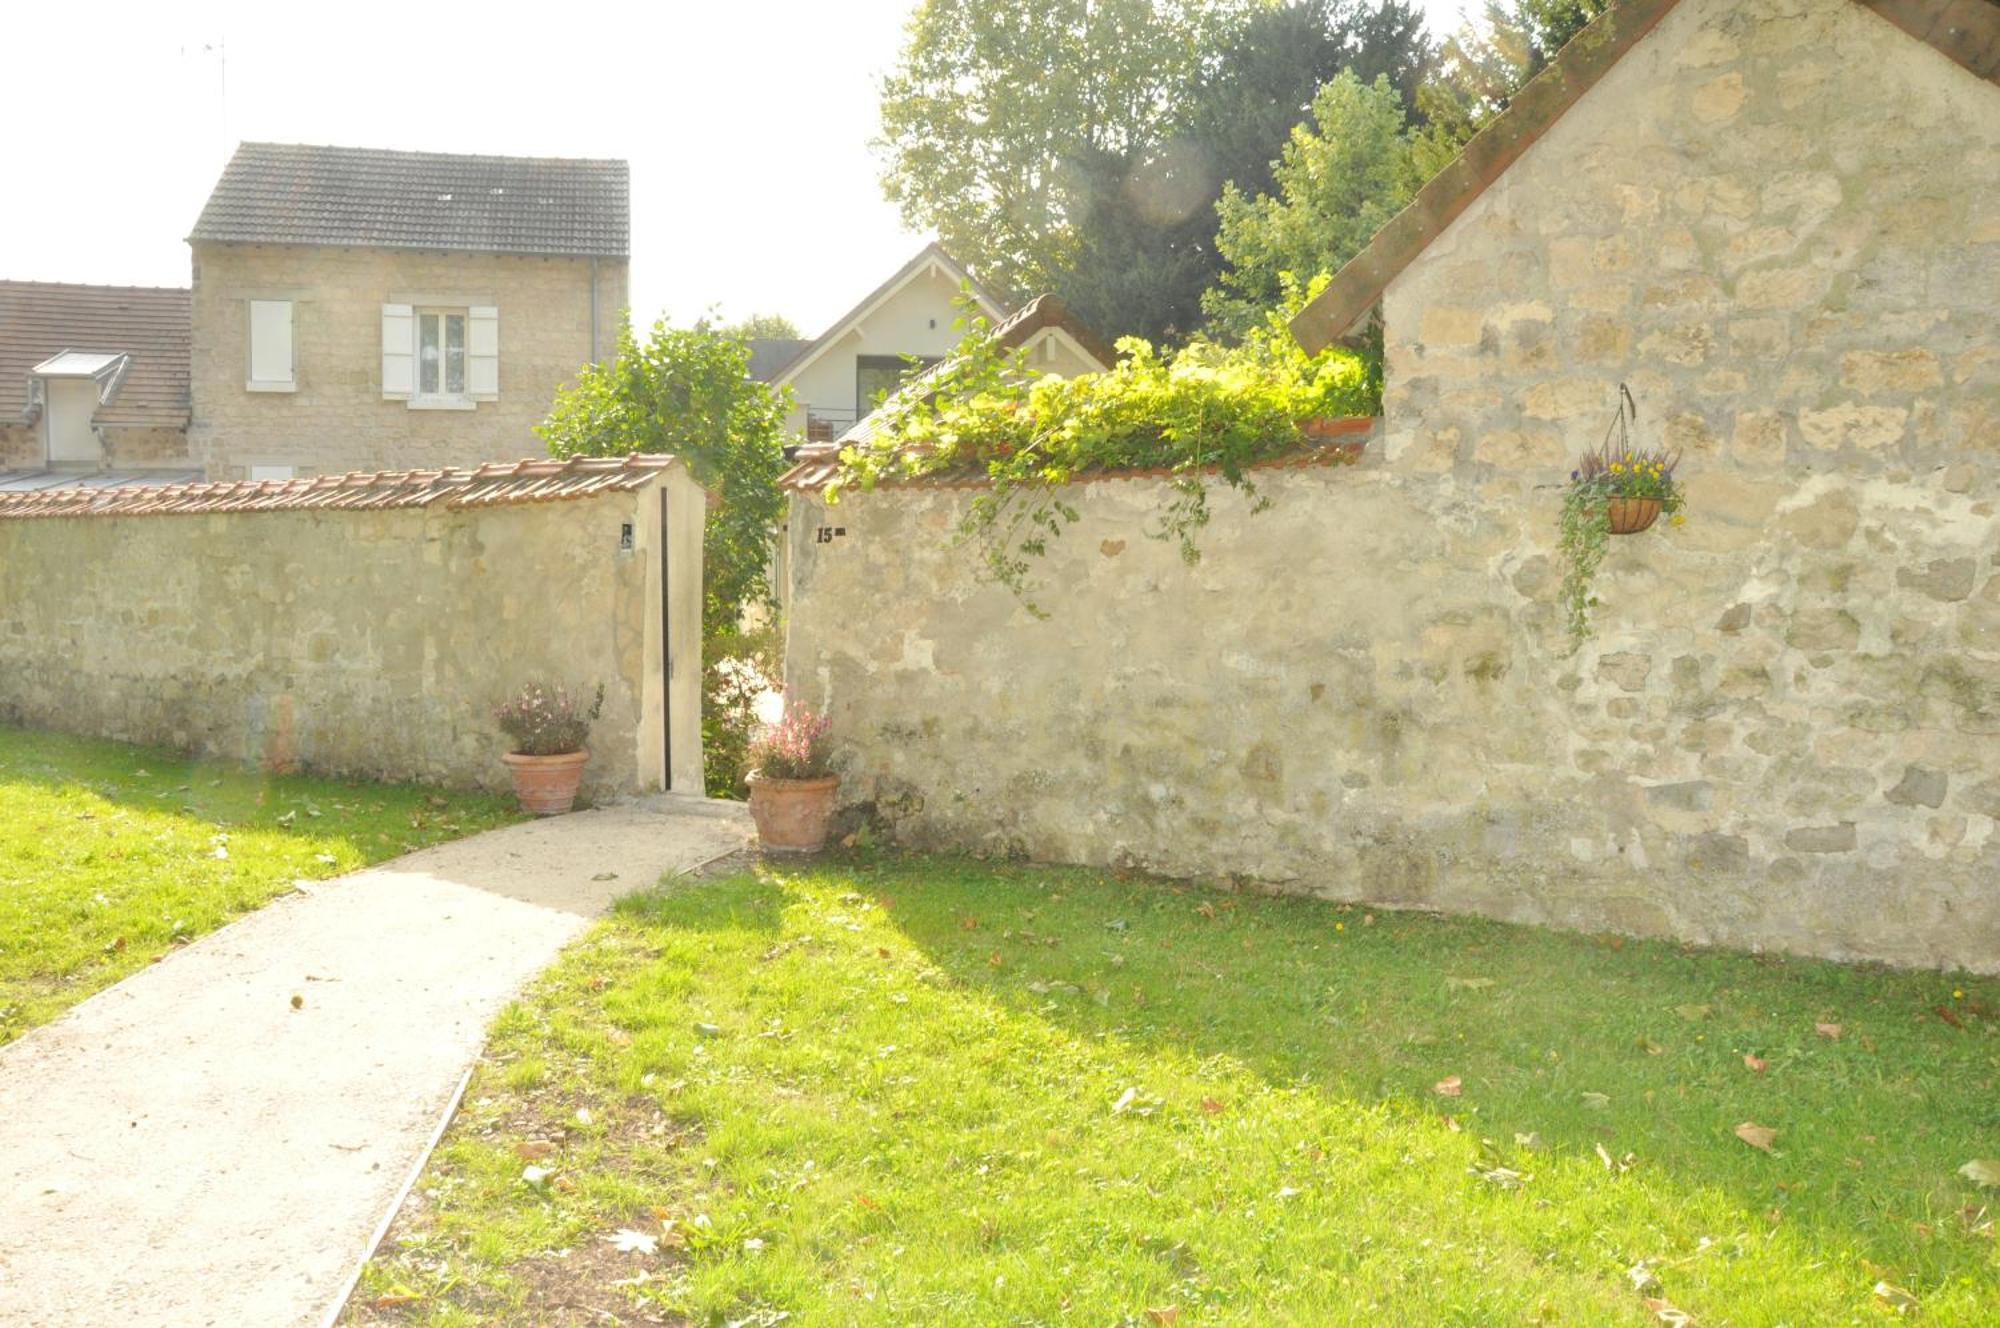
[(537, 480), (770, 354), (1967, 31), (28, 481), (39, 319), (285, 193), (1336, 443)]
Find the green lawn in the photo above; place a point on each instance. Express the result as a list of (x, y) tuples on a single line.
[(931, 1092), (110, 855)]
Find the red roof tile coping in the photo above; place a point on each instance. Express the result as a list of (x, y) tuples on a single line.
[(533, 480), (818, 471)]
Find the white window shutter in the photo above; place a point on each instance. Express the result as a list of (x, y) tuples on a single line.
[(271, 343), (482, 352), (399, 351)]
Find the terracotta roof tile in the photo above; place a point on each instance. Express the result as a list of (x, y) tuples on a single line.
[(38, 319), (288, 193), (536, 480)]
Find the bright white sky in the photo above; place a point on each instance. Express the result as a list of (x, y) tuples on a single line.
[(747, 125)]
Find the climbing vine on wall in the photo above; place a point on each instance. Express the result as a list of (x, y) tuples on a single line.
[(1207, 412)]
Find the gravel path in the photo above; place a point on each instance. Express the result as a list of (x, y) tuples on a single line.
[(217, 1140)]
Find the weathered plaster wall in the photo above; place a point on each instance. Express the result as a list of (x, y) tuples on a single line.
[(1787, 730), (337, 420), (365, 643)]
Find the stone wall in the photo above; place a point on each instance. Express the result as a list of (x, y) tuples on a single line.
[(337, 419), (1363, 693), (369, 643), (20, 446), (1766, 219), (125, 448), (1786, 732)]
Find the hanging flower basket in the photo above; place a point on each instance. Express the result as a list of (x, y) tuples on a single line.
[(1629, 516)]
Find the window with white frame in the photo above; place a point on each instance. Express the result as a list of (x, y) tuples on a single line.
[(441, 356), (271, 346)]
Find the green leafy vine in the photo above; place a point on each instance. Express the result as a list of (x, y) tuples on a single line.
[(1614, 471), (1207, 411)]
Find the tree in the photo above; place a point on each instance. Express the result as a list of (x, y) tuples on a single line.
[(1146, 247), (1029, 181), (997, 110), (1482, 65), (759, 327), (687, 392), (1337, 183)]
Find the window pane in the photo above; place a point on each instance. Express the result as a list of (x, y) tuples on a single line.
[(454, 354), (427, 355)]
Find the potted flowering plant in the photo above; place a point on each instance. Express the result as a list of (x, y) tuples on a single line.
[(548, 724), (1618, 489), (792, 784)]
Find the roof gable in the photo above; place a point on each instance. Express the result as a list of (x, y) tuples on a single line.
[(1967, 31), (286, 193), (72, 325), (931, 256)]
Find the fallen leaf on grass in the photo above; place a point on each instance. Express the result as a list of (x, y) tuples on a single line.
[(1667, 1313), (535, 1150), (1692, 1011), (1617, 1166), (1505, 1177), (1895, 1298), (627, 1241), (1166, 1314), (1984, 1171), (1595, 1101), (1828, 1031), (1449, 1086), (395, 1300), (1210, 1107), (1945, 1014), (1756, 1063), (1757, 1136), (1467, 984)]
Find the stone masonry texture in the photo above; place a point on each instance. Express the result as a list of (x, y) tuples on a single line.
[(351, 642), (1785, 733), (337, 420)]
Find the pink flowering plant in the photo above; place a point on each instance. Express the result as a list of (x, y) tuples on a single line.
[(795, 747), (548, 719)]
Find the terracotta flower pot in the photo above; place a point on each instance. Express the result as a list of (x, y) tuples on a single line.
[(1629, 516), (546, 785), (792, 814)]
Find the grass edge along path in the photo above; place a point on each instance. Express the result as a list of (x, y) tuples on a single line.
[(111, 855), (931, 1091)]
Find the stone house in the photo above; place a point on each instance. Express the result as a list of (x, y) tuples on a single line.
[(93, 384), (356, 309), (911, 318), (1777, 222)]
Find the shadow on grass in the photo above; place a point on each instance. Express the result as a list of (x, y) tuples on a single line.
[(748, 904), (1630, 1046), (154, 779)]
